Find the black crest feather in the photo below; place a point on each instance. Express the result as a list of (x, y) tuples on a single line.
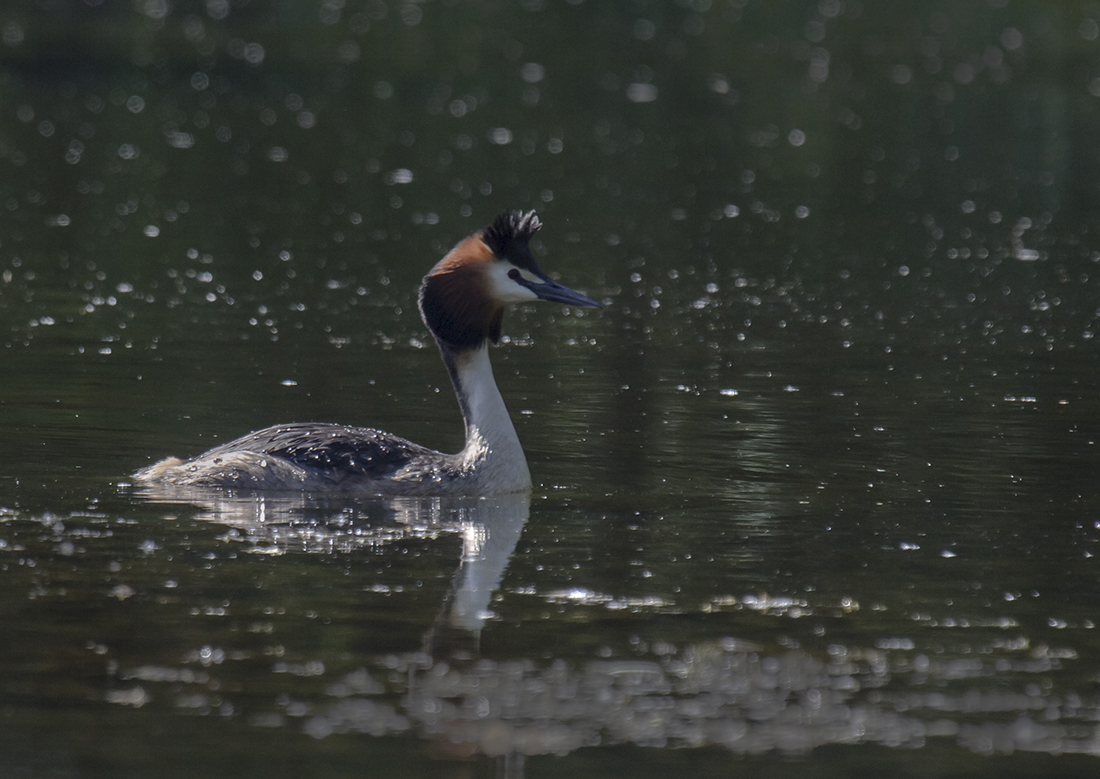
[(509, 235)]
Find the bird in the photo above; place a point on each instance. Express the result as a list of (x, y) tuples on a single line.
[(462, 301)]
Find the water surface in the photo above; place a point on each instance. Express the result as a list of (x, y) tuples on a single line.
[(815, 491)]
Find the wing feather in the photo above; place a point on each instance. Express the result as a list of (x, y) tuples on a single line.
[(340, 449)]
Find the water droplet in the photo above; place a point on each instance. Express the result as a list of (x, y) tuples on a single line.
[(400, 176), (641, 93), (501, 136), (532, 72)]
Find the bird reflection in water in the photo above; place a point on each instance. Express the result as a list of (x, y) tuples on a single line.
[(286, 522), (489, 528)]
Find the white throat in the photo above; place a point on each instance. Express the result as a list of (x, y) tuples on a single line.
[(492, 447)]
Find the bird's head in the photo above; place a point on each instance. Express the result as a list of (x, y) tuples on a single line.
[(463, 297)]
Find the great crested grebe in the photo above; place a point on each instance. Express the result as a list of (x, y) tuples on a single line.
[(462, 302)]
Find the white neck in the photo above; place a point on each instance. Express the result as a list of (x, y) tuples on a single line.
[(492, 447)]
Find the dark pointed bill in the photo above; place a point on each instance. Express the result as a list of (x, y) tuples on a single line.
[(559, 293)]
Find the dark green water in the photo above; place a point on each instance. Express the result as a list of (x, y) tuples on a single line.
[(815, 492)]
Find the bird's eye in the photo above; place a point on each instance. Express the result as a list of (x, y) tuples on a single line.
[(513, 274)]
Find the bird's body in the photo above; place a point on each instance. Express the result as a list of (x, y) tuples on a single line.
[(462, 302)]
